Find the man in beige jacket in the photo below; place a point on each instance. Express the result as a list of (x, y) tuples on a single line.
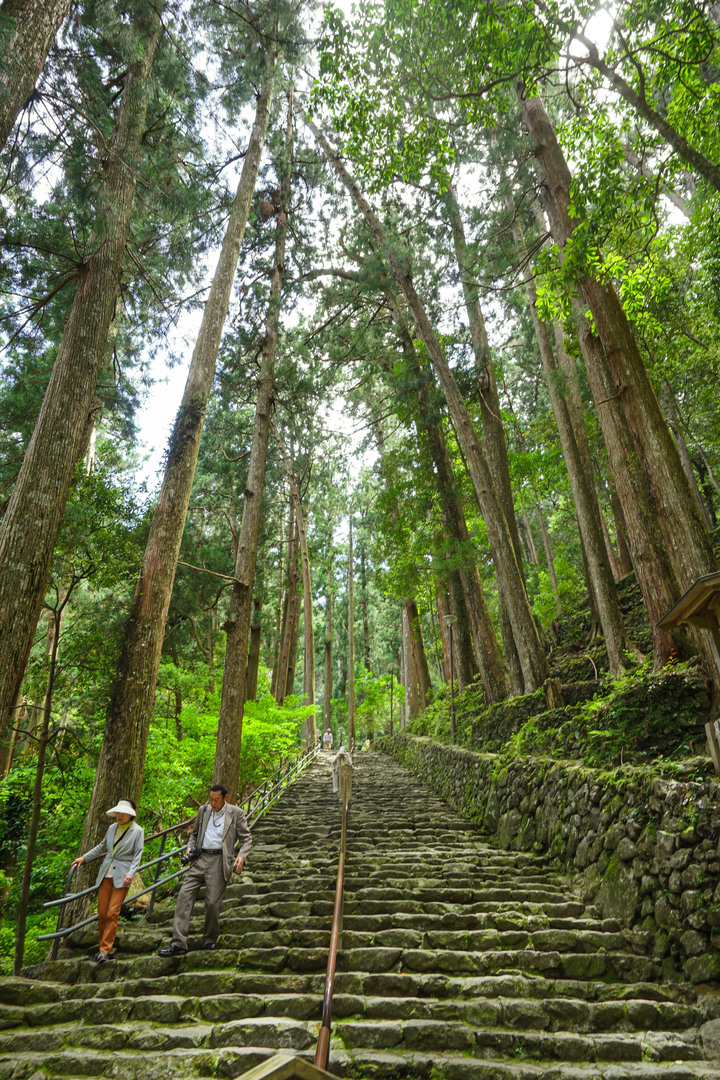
[(219, 827)]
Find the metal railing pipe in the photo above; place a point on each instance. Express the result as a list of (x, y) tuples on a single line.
[(322, 1052)]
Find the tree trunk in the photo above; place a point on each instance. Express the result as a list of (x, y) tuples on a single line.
[(26, 43), (253, 665), (442, 600), (654, 458), (412, 704), (612, 557), (327, 669), (310, 729), (532, 554), (351, 646), (649, 555), (294, 631), (122, 755), (491, 416), (621, 533), (476, 617), (564, 390), (673, 415), (32, 520), (549, 558), (419, 658), (364, 610), (530, 653), (226, 768), (284, 687), (277, 640)]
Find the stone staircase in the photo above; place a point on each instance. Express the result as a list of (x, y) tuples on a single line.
[(459, 962)]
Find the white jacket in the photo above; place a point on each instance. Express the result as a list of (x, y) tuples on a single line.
[(126, 859)]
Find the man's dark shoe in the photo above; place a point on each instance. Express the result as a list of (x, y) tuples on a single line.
[(172, 950), (208, 946)]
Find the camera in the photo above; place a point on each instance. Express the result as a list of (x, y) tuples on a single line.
[(190, 857)]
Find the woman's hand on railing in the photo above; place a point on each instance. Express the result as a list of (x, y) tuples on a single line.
[(80, 861)]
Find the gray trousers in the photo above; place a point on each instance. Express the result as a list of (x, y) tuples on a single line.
[(207, 871)]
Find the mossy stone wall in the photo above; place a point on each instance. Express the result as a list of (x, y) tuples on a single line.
[(645, 847)]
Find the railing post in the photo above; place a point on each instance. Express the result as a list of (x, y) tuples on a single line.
[(151, 905)]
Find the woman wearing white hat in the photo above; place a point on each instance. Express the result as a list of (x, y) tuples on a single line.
[(122, 847)]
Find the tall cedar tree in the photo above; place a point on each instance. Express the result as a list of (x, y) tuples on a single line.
[(122, 754), (34, 514)]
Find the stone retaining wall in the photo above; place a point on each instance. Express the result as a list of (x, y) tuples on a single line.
[(645, 847)]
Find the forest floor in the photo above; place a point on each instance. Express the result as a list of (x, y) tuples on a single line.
[(645, 716)]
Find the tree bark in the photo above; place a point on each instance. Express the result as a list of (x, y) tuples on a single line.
[(351, 646), (253, 665), (412, 703), (494, 440), (26, 43), (530, 653), (328, 647), (476, 616), (284, 686), (277, 640), (549, 558), (32, 520), (310, 729), (419, 658), (673, 415), (654, 459), (122, 755), (564, 390), (226, 768)]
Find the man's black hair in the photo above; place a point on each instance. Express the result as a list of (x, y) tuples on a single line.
[(221, 788)]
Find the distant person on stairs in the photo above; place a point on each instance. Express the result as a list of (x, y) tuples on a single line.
[(327, 740), (122, 847), (218, 828)]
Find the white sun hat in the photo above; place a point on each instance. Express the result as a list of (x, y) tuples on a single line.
[(123, 807)]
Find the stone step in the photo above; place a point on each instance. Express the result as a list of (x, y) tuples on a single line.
[(444, 1036), (390, 1065)]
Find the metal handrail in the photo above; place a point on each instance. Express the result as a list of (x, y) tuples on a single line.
[(267, 799), (322, 1053)]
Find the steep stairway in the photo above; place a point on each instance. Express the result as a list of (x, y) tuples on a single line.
[(459, 961)]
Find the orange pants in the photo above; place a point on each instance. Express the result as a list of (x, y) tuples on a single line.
[(110, 900)]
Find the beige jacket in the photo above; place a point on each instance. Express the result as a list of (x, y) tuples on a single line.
[(236, 831)]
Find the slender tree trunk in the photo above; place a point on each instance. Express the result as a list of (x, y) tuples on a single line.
[(277, 640), (530, 653), (486, 646), (251, 681), (612, 557), (654, 456), (351, 645), (532, 553), (649, 555), (328, 676), (673, 415), (621, 533), (549, 558), (295, 631), (32, 520), (30, 29), (494, 440), (24, 900), (419, 657), (309, 637), (442, 599), (122, 755), (284, 686), (226, 768), (564, 389), (410, 682), (364, 610)]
